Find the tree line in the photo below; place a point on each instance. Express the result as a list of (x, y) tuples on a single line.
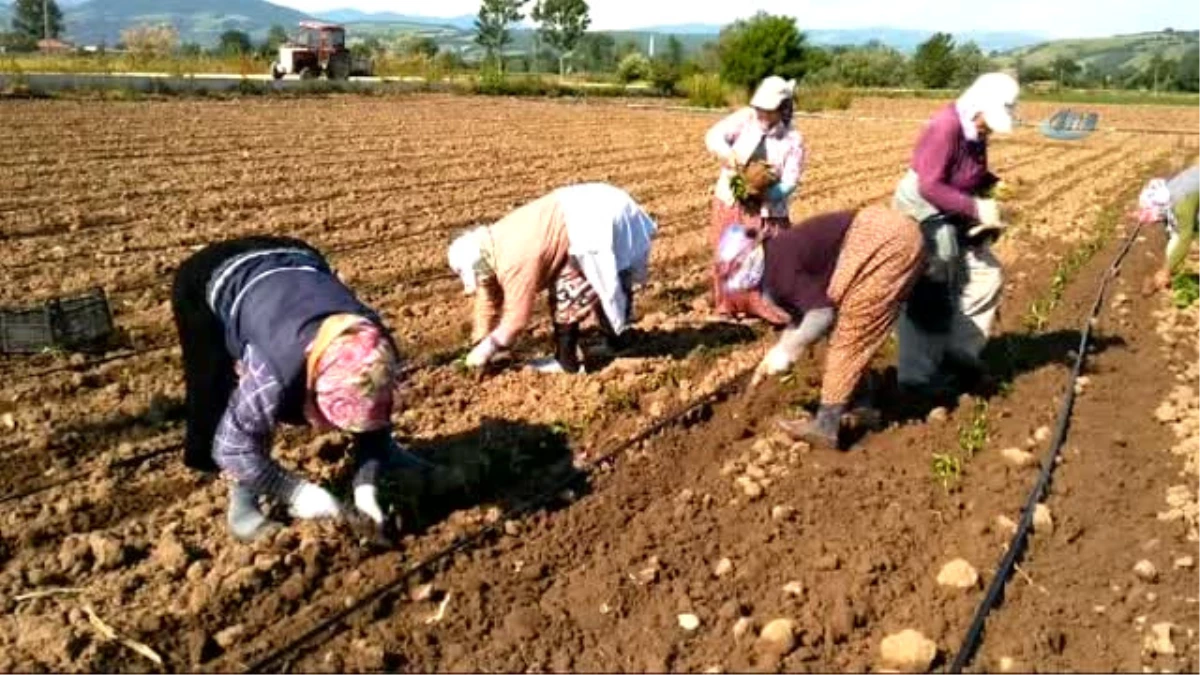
[(743, 53)]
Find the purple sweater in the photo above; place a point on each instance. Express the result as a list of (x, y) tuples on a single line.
[(952, 169)]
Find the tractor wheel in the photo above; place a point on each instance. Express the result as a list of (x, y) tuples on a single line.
[(309, 73), (338, 69), (277, 71)]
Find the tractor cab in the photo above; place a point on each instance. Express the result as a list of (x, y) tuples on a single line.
[(318, 49)]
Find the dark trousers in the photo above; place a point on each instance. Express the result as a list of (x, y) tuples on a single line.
[(208, 367)]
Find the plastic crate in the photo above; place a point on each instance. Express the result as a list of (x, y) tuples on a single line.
[(62, 323)]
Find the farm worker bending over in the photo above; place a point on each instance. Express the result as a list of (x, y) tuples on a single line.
[(1174, 204), (762, 158), (847, 272), (951, 193), (587, 244), (306, 350)]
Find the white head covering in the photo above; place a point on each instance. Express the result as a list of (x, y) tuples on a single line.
[(772, 92), (465, 253), (608, 233), (994, 95)]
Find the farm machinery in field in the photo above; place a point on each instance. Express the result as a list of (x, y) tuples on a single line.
[(319, 49)]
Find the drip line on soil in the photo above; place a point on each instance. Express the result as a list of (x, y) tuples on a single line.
[(1016, 547), (468, 542), (127, 463)]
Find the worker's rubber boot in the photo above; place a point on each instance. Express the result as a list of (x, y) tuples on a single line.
[(246, 520), (566, 346), (820, 432)]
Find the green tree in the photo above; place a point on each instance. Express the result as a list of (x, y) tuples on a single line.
[(234, 42), (28, 19), (491, 26), (752, 49), (12, 41), (675, 52), (276, 36), (874, 65), (970, 63), (634, 67), (421, 46), (598, 52), (934, 63), (628, 47), (1159, 72), (561, 23), (1187, 72), (1065, 70)]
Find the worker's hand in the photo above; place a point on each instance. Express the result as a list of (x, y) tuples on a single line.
[(775, 362), (483, 352), (1162, 280), (311, 501)]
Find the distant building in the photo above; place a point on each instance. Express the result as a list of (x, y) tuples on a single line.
[(52, 46)]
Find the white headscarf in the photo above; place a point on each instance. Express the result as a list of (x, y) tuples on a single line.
[(995, 96), (608, 233), (465, 252)]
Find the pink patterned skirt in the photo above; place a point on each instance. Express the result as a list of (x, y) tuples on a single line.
[(743, 303)]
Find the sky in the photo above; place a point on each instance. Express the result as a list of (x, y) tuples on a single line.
[(1055, 18)]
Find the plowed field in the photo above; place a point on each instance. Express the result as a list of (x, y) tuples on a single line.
[(98, 514)]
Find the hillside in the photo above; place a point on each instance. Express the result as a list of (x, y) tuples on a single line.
[(465, 22), (200, 21), (1111, 53)]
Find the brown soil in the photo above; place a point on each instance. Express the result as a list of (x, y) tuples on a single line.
[(596, 579)]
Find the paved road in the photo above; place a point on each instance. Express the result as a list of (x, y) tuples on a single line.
[(149, 82)]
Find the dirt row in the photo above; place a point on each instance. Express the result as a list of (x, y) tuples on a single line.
[(146, 545)]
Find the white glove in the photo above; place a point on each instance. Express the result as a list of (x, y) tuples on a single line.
[(310, 502), (989, 212), (366, 500), (777, 360), (482, 353)]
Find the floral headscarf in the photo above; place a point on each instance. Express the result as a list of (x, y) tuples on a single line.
[(1153, 202), (353, 379)]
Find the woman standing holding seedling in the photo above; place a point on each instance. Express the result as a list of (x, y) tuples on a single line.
[(1174, 204), (951, 193), (587, 244), (762, 159), (270, 335), (845, 272)]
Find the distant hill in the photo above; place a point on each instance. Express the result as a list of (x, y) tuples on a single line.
[(1109, 54), (899, 38), (464, 22), (200, 21)]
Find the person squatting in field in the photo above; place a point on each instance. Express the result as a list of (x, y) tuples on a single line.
[(588, 244), (951, 193), (760, 150), (847, 272), (1174, 204), (270, 335)]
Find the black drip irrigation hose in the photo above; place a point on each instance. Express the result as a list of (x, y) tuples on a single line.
[(328, 625), (127, 463), (1016, 547)]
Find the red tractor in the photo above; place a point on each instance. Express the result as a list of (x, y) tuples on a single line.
[(318, 49)]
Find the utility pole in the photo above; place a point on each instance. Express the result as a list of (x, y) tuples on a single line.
[(45, 19)]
